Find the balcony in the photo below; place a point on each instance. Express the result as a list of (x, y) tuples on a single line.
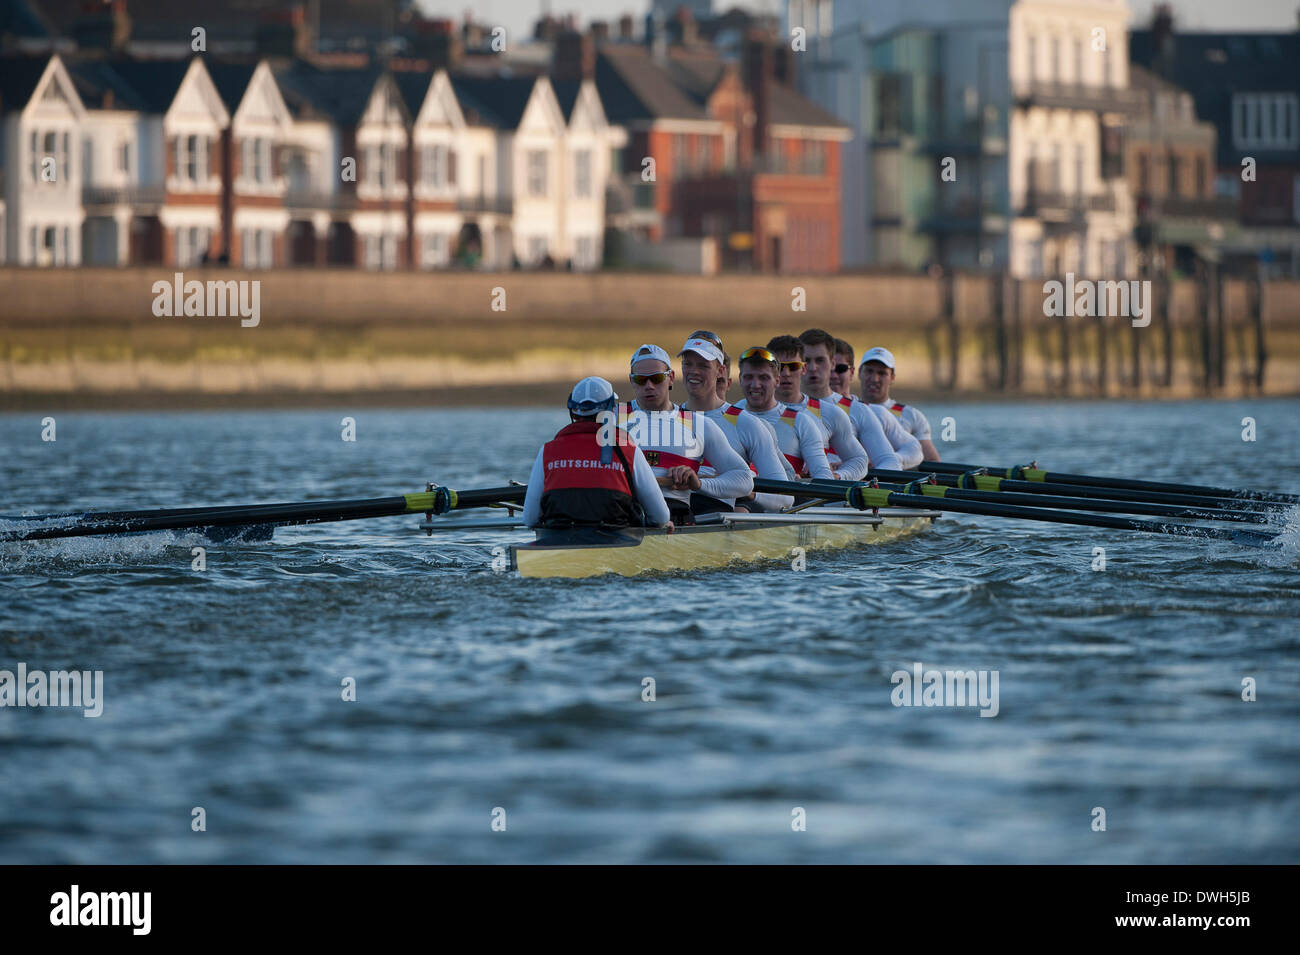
[(1100, 99), (1053, 204), (502, 205), (134, 196), (963, 216), (1187, 207), (307, 201)]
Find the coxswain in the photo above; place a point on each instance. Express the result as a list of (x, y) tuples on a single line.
[(752, 439), (591, 474), (905, 446), (676, 442), (799, 435), (876, 373), (847, 457)]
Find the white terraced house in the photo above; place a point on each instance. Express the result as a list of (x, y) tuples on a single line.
[(440, 148), (253, 145), (589, 144), (41, 117)]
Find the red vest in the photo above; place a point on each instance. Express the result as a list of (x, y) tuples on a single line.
[(579, 487)]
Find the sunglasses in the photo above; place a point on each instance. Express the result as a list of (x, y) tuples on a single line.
[(762, 354), (708, 337), (792, 365), (841, 368), (657, 378)]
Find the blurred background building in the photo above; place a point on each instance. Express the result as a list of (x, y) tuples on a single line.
[(1032, 137)]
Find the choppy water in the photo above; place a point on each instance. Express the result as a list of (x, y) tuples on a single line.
[(222, 689)]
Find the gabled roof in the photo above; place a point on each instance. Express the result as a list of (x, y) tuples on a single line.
[(786, 107), (96, 78), (149, 85), (497, 100), (697, 75), (338, 94), (231, 81), (1213, 67), (18, 78), (633, 86), (566, 94), (23, 20), (414, 87)]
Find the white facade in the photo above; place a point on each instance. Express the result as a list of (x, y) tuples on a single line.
[(191, 133), (994, 50), (587, 153), (537, 177), (258, 130), (42, 210)]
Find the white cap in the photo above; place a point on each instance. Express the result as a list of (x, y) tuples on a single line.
[(651, 351), (881, 355), (702, 347), (591, 395)]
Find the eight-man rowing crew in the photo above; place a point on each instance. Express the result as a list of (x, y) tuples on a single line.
[(653, 463)]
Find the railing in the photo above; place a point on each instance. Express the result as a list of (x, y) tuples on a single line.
[(1046, 201), (123, 195), (1106, 99), (502, 204), (319, 200), (1215, 207)]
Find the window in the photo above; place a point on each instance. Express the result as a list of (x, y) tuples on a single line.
[(584, 253), (1078, 62), (1265, 120), (1078, 169), (1144, 174), (388, 251), (679, 156), (124, 157), (582, 174), (1056, 59), (370, 252), (537, 173), (1200, 176), (433, 166), (433, 250), (536, 249), (1031, 57), (385, 165), (1175, 167), (192, 158), (191, 244)]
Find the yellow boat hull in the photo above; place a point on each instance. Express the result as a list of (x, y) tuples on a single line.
[(714, 546)]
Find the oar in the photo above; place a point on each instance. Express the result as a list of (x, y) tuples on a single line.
[(438, 501), (973, 480), (1092, 480), (945, 485), (863, 496)]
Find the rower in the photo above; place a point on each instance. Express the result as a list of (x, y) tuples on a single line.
[(876, 373), (724, 377), (799, 435), (905, 446), (581, 479), (702, 362), (818, 347), (847, 457), (676, 442)]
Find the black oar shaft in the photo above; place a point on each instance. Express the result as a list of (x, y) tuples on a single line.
[(868, 497), (1092, 480)]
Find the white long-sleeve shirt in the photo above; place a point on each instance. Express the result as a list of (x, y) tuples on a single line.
[(754, 441), (647, 490), (800, 438), (679, 437), (908, 449), (842, 444), (870, 433), (913, 422)]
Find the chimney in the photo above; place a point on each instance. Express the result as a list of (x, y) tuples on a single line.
[(626, 26), (784, 67), (437, 41), (103, 25), (284, 33), (1162, 41), (574, 57), (600, 31), (685, 29), (546, 29), (657, 36), (758, 82)]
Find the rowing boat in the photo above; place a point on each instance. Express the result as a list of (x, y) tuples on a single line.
[(717, 540)]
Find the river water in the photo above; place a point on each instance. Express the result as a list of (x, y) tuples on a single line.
[(480, 696)]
